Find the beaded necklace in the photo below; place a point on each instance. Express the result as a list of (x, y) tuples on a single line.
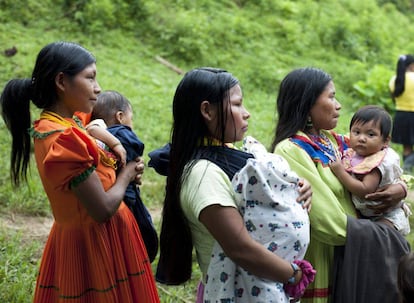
[(48, 115), (326, 146), (107, 158), (215, 142)]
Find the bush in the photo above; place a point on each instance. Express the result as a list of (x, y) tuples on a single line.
[(374, 89)]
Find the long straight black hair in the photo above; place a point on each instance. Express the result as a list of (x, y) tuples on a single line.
[(66, 57), (188, 132), (298, 93)]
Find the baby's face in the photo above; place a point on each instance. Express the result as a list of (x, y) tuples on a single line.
[(127, 118), (366, 138)]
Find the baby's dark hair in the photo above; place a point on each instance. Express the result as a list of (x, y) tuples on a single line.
[(376, 114), (405, 278), (108, 104)]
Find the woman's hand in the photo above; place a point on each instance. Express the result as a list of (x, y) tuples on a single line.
[(140, 170), (305, 194), (134, 170), (389, 195)]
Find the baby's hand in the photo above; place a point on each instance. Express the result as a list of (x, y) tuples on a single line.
[(120, 152), (336, 166)]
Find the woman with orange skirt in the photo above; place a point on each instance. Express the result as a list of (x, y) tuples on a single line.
[(94, 252)]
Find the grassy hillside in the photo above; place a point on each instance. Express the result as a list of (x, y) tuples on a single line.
[(358, 42)]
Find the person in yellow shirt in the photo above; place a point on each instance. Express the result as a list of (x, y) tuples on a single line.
[(402, 92)]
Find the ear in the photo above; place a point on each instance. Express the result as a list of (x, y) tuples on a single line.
[(387, 141), (119, 117), (60, 81), (208, 111)]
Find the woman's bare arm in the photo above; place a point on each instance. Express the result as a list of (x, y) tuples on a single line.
[(101, 204), (227, 227), (390, 195)]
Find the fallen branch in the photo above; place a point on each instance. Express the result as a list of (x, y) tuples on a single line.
[(169, 65)]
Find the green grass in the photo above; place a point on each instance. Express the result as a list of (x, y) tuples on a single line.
[(149, 86), (256, 46), (18, 266)]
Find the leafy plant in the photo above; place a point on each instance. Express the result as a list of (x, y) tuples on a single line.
[(374, 89)]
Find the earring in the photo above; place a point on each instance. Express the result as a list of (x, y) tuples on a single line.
[(309, 123)]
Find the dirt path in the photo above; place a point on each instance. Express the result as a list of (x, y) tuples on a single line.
[(31, 227), (38, 228)]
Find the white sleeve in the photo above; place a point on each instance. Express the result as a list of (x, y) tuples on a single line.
[(97, 122)]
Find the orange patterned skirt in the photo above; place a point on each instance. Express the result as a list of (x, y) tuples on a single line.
[(96, 262)]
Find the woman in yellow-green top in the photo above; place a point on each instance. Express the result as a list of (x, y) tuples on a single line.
[(402, 91), (308, 112), (200, 205)]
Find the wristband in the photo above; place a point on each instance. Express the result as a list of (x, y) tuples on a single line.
[(308, 276), (295, 268)]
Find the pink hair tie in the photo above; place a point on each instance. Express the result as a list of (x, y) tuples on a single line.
[(308, 275)]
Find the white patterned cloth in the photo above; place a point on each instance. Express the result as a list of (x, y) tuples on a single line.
[(266, 190)]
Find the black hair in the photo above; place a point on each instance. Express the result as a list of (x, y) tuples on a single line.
[(298, 93), (108, 104), (188, 131), (403, 62), (377, 115), (58, 57)]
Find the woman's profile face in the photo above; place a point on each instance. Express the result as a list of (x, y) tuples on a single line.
[(325, 111), (237, 115), (81, 91)]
